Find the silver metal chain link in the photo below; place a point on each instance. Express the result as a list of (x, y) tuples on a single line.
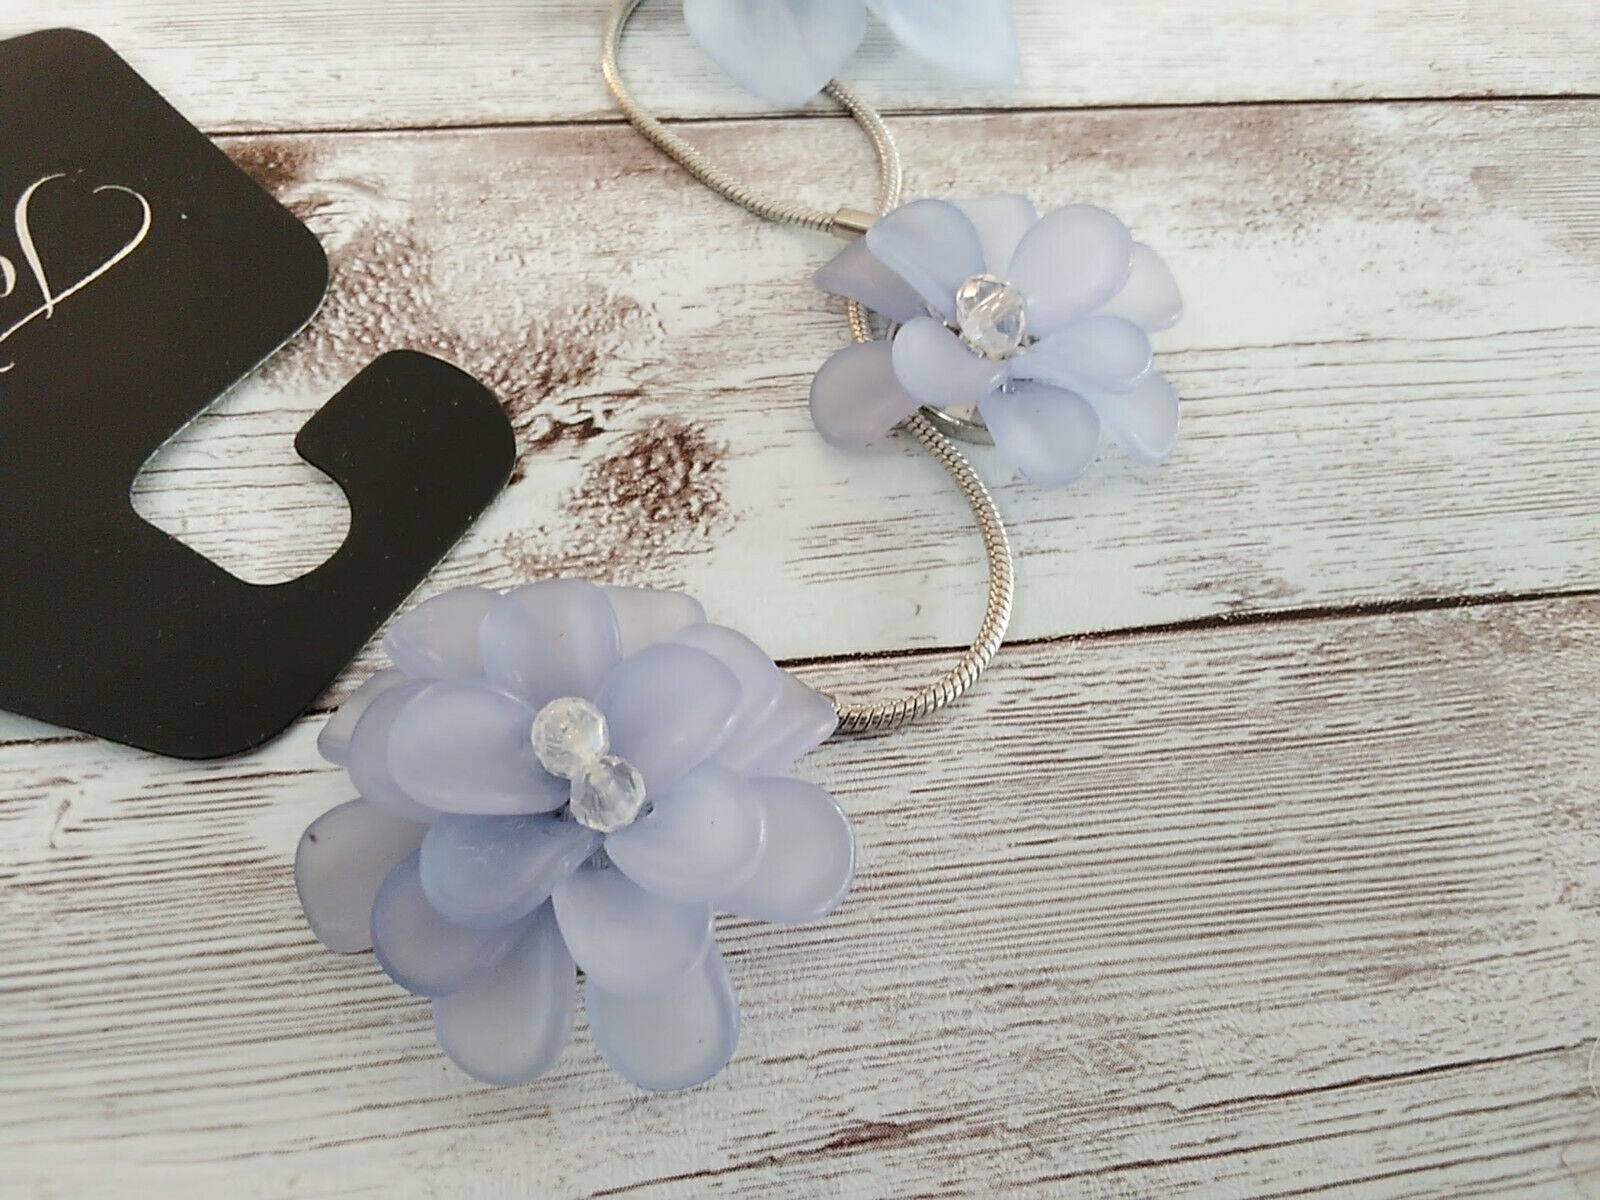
[(880, 715)]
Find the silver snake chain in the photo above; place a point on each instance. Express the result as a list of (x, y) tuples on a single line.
[(881, 715)]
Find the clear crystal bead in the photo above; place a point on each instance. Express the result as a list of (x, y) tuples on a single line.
[(568, 735), (992, 316), (608, 795)]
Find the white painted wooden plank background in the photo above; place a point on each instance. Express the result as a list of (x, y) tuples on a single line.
[(1285, 880)]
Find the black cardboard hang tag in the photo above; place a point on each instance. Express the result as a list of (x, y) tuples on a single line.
[(143, 274)]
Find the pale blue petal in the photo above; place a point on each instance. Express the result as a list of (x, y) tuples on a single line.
[(343, 858), (646, 616), (1001, 222), (669, 708), (809, 861), (798, 722), (671, 1041), (511, 1025), (465, 748), (423, 952), (1102, 353), (701, 840), (1070, 263), (557, 637), (438, 639), (784, 51), (932, 246), (628, 940), (367, 756), (760, 679), (976, 39), (938, 368), (484, 872), (1150, 298), (859, 274), (1144, 422), (855, 397), (1048, 434)]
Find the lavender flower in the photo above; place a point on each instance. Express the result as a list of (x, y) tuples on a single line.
[(1039, 322), (572, 775)]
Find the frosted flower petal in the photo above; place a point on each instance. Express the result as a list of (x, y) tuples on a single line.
[(1048, 434), (669, 707), (511, 1025), (646, 616), (1001, 221), (333, 743), (932, 246), (797, 723), (810, 856), (1150, 298), (627, 940), (438, 639), (419, 949), (1108, 354), (855, 397), (367, 758), (700, 841), (857, 273), (1144, 422), (781, 50), (484, 872), (976, 39), (343, 858), (936, 367), (557, 637), (671, 1041), (1069, 264), (467, 749)]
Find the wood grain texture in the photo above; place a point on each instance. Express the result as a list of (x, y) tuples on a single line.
[(298, 64), (1278, 908), (1391, 362)]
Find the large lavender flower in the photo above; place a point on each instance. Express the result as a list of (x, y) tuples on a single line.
[(569, 774), (785, 51), (1040, 322)]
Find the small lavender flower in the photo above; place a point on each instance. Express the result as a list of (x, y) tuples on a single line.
[(785, 51), (1041, 323), (568, 776)]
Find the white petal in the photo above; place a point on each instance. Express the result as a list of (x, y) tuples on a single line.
[(855, 397), (512, 1024), (419, 949), (669, 708), (937, 367), (760, 679), (672, 1041), (460, 747), (438, 639), (976, 39), (1103, 353), (557, 637), (484, 872), (343, 858), (857, 273), (627, 940), (646, 616), (367, 757), (800, 721), (1150, 298), (1001, 222), (809, 860), (1144, 422), (1048, 434), (1070, 263), (333, 743), (782, 50), (932, 246), (700, 841)]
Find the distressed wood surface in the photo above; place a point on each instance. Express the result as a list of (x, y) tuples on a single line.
[(297, 64), (1266, 861), (1274, 907)]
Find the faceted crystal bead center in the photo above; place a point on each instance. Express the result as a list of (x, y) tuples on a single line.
[(991, 316), (570, 739)]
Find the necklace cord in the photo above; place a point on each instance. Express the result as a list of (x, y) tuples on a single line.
[(881, 715)]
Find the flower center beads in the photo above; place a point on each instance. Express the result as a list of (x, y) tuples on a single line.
[(570, 740), (991, 316)]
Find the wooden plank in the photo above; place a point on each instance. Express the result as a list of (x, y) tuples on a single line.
[(1391, 363), (1259, 910), (298, 64)]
